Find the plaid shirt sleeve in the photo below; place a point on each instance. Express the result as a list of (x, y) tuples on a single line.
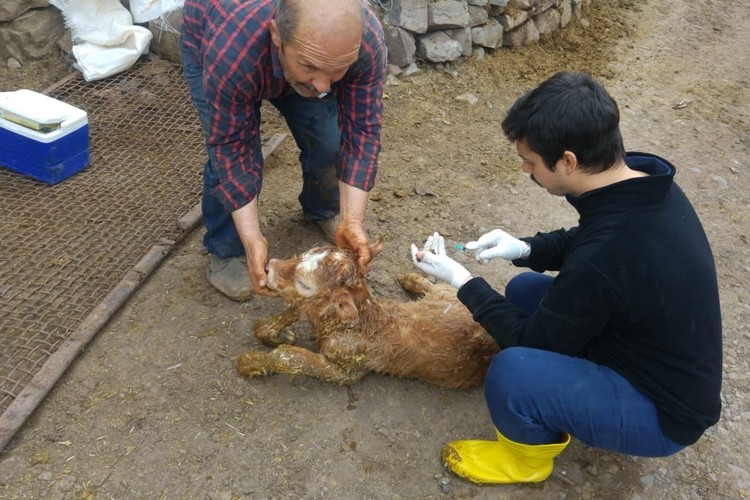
[(234, 42), (361, 109)]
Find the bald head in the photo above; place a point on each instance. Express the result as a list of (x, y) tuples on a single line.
[(320, 20), (317, 41)]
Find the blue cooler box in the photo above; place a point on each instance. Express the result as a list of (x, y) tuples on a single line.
[(41, 137)]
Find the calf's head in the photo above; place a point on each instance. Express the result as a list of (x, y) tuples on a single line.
[(323, 278)]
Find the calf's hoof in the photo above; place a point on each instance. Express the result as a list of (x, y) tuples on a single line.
[(414, 283), (268, 333), (252, 364), (287, 336)]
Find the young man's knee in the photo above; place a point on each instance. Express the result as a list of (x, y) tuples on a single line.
[(527, 289), (506, 372), (520, 373)]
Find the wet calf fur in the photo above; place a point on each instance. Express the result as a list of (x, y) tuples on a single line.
[(433, 339)]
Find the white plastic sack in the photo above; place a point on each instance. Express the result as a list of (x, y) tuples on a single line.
[(147, 10), (105, 41)]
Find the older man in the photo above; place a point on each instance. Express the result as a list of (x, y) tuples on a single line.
[(321, 63)]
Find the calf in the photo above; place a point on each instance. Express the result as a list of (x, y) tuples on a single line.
[(433, 339)]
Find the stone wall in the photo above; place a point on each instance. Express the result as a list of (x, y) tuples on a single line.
[(434, 31), (440, 31), (29, 30)]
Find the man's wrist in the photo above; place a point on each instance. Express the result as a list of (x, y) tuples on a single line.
[(462, 281), (525, 250)]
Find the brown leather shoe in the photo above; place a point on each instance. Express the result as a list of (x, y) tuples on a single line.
[(328, 227), (230, 277)]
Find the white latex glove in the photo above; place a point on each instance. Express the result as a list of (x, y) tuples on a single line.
[(436, 262), (498, 243)]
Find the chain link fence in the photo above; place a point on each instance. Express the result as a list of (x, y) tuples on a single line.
[(64, 248)]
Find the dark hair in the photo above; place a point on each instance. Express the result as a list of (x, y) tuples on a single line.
[(568, 112), (287, 17)]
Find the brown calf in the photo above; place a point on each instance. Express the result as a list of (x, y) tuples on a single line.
[(433, 339)]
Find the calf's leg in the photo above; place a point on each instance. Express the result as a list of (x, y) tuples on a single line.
[(272, 330), (421, 287), (294, 360), (415, 284)]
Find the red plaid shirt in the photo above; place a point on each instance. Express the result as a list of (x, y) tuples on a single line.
[(241, 67)]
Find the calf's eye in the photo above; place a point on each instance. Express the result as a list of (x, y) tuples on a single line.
[(303, 288)]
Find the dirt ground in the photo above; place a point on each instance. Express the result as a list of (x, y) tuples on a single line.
[(154, 408)]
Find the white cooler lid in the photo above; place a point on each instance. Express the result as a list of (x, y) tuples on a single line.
[(38, 116)]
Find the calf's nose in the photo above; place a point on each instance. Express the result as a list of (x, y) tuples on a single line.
[(269, 264)]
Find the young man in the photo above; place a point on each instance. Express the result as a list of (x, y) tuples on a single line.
[(322, 64), (622, 349)]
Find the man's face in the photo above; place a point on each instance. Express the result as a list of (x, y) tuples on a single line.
[(533, 164), (312, 64)]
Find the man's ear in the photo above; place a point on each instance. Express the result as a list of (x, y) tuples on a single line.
[(275, 37), (569, 162)]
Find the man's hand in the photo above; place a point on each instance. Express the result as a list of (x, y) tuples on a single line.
[(257, 257), (247, 222), (498, 243), (352, 235), (434, 261)]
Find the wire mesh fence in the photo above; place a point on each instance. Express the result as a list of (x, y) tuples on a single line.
[(63, 248)]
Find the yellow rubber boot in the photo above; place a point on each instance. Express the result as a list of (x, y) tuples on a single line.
[(501, 461)]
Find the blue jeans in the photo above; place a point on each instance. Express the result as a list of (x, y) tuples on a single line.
[(314, 126), (533, 395)]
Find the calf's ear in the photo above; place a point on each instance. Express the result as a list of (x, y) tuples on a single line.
[(376, 247), (344, 307), (349, 273)]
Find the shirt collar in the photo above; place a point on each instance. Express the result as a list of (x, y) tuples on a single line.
[(636, 192)]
